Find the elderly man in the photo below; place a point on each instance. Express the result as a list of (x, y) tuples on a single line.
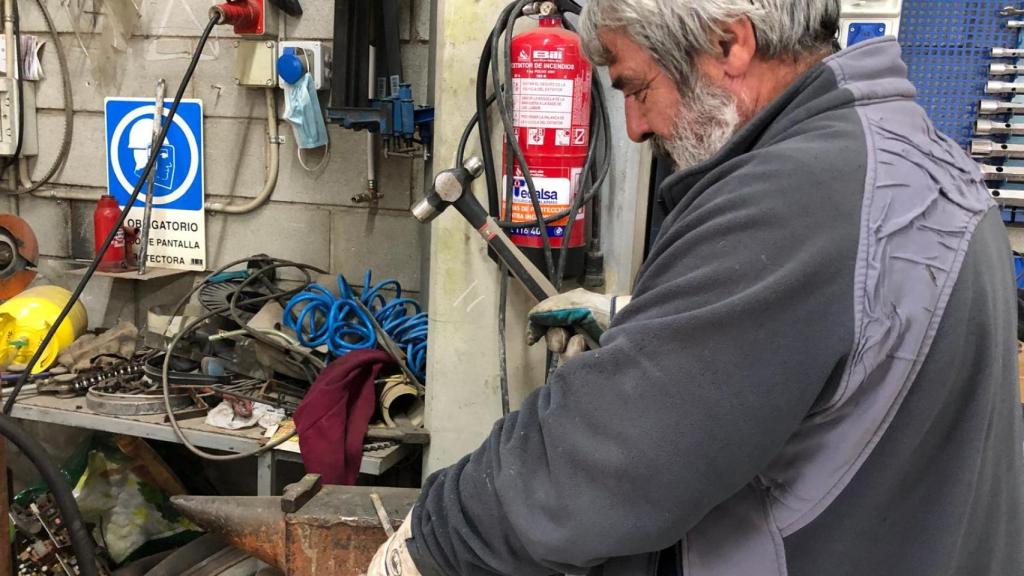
[(816, 375)]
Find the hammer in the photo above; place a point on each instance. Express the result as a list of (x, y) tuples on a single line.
[(451, 188)]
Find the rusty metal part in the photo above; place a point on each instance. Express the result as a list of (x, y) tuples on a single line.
[(417, 436), (382, 514), (115, 404), (378, 446), (337, 532), (18, 256), (153, 469), (297, 495)]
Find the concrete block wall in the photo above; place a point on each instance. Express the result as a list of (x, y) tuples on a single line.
[(115, 51)]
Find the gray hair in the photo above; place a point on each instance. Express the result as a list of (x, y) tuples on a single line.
[(675, 31)]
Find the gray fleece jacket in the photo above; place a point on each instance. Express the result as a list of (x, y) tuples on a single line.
[(817, 374)]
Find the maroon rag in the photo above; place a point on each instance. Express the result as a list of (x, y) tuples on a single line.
[(333, 418)]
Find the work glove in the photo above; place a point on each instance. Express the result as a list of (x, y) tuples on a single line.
[(556, 319), (392, 558)]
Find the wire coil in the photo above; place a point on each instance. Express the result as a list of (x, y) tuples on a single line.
[(320, 318)]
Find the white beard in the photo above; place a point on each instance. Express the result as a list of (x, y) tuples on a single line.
[(707, 119)]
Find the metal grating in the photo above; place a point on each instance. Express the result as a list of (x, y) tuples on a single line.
[(946, 45)]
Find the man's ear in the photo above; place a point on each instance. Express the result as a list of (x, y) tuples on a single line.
[(737, 47)]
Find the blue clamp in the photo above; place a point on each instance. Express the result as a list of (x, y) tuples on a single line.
[(396, 116)]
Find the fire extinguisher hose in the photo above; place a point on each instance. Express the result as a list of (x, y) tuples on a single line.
[(77, 293)]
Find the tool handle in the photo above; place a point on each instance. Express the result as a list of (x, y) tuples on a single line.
[(518, 264)]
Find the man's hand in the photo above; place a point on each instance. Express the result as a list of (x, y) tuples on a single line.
[(392, 558), (555, 318)]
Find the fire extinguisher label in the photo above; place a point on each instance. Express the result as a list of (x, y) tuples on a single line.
[(554, 196), (543, 103)]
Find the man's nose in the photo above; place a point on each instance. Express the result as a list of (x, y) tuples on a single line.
[(637, 126)]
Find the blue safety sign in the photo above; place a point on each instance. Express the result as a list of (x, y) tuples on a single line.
[(179, 168), (177, 228)]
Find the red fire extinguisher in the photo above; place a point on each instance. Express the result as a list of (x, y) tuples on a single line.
[(104, 218), (551, 86)]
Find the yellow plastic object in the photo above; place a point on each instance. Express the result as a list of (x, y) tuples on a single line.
[(25, 319)]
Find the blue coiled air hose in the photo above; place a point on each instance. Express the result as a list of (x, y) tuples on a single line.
[(339, 323)]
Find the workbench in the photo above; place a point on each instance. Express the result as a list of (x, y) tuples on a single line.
[(73, 412)]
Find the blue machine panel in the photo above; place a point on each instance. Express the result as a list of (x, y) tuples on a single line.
[(861, 31), (946, 44)]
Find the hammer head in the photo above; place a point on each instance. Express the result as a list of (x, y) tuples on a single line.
[(448, 187)]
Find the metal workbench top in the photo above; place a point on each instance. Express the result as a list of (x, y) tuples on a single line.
[(73, 412)]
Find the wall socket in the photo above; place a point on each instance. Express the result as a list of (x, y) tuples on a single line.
[(314, 57)]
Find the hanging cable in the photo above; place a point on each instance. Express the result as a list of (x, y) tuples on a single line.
[(19, 78), (214, 19), (232, 308)]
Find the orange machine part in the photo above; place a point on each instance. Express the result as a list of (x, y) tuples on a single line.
[(17, 276)]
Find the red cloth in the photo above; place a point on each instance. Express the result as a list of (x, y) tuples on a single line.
[(333, 418)]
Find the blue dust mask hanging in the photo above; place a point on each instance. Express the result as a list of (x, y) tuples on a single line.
[(302, 111)]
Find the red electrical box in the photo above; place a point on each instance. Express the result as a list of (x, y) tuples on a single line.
[(249, 17)]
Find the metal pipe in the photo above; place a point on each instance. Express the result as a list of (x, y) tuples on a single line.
[(998, 87), (11, 57), (273, 166), (1007, 53), (990, 149), (147, 214), (982, 127), (1002, 173), (1000, 107), (1010, 11), (55, 193), (1007, 197), (999, 69), (372, 140)]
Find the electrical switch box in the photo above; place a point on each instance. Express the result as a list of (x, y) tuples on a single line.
[(256, 63), (11, 128), (862, 20), (312, 54)]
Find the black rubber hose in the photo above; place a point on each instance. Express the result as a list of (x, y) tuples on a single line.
[(483, 106), (81, 542), (460, 155), (120, 220), (501, 78), (21, 85)]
